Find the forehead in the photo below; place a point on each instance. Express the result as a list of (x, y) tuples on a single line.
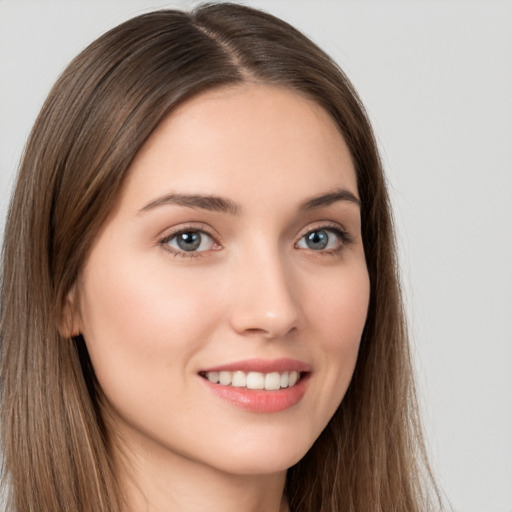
[(255, 137)]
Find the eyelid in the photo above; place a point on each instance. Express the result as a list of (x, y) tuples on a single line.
[(317, 226), (187, 226), (345, 236), (169, 234)]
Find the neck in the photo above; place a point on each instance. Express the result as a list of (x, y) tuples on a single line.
[(159, 482)]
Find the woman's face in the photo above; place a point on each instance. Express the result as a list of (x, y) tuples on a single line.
[(232, 262)]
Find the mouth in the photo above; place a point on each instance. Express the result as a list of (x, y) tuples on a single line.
[(272, 381), (259, 385)]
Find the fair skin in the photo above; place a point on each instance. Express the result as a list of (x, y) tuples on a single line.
[(181, 289)]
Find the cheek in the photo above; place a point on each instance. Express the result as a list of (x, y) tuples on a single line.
[(338, 315), (339, 309), (138, 319)]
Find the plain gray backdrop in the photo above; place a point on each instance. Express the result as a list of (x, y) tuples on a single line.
[(436, 77)]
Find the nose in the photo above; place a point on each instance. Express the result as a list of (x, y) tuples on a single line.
[(264, 302)]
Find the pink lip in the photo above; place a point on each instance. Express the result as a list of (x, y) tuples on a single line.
[(263, 365), (261, 401)]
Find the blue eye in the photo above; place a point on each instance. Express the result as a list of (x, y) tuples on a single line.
[(322, 240), (189, 241)]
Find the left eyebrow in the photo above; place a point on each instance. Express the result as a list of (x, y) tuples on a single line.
[(330, 198)]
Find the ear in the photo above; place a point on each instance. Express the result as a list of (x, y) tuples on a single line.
[(70, 320)]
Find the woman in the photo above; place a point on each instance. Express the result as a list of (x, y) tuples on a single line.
[(200, 306)]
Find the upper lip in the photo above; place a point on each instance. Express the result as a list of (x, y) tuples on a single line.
[(262, 365)]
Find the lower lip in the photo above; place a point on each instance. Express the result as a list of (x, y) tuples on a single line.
[(260, 400)]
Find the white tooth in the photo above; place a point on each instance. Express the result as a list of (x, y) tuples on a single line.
[(284, 380), (239, 379), (292, 379), (255, 380), (213, 377), (272, 381), (225, 378)]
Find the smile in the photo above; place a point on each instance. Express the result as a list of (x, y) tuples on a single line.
[(259, 385), (272, 381)]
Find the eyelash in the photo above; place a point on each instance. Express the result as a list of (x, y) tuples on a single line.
[(186, 229), (344, 237)]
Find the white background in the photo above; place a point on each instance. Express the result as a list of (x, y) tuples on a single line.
[(436, 77)]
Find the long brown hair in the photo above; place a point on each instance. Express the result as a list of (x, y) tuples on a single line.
[(57, 453)]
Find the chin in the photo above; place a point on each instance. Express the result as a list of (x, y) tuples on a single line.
[(273, 457)]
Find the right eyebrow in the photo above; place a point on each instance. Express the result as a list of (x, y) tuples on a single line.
[(204, 202)]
